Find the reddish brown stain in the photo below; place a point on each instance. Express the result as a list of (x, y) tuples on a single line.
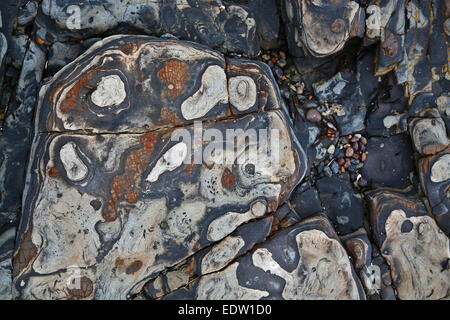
[(27, 251), (130, 47), (188, 168), (131, 196), (124, 184), (168, 117), (72, 97), (53, 172), (228, 178), (85, 288), (134, 267), (174, 74)]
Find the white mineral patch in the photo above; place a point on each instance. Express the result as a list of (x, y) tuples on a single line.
[(75, 168), (213, 90), (440, 171), (390, 121), (171, 160), (228, 222), (242, 92), (110, 92), (221, 254)]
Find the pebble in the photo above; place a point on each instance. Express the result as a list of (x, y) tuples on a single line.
[(265, 57), (341, 161), (327, 171), (278, 72), (363, 157), (310, 104), (313, 115), (281, 63), (331, 149), (334, 167), (362, 182), (349, 152), (363, 140)]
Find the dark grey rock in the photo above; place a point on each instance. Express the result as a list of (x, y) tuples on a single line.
[(341, 204), (389, 161)]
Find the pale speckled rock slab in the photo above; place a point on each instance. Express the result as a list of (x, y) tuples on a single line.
[(304, 261), (415, 248), (321, 28), (93, 203), (115, 198)]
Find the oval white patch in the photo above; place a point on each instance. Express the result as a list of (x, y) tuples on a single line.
[(242, 92), (110, 92), (440, 171), (212, 91), (75, 168), (171, 160)]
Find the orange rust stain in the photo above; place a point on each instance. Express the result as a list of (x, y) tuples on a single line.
[(174, 74), (125, 184), (40, 41), (148, 140), (169, 117), (130, 48), (228, 178), (53, 172), (131, 196), (85, 288), (134, 267), (71, 99), (27, 251), (188, 168)]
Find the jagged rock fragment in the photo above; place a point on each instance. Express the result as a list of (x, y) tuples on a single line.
[(415, 248)]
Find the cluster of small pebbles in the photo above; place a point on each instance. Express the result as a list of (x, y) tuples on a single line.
[(286, 74), (351, 157)]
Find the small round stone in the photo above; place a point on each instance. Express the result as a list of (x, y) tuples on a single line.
[(349, 152), (313, 115), (334, 167), (363, 140), (363, 157), (341, 161), (362, 182)]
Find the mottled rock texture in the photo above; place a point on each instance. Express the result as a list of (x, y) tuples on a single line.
[(416, 249), (304, 261), (321, 28), (109, 192), (228, 26)]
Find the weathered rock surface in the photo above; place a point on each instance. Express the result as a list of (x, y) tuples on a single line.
[(416, 249), (304, 261), (109, 190), (211, 259), (217, 24), (321, 28)]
